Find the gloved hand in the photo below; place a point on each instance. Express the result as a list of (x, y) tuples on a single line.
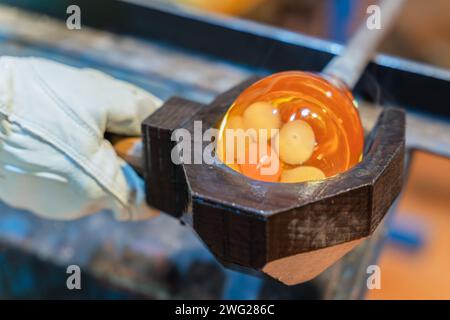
[(54, 160)]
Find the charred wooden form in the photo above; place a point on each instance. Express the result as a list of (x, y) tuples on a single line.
[(291, 232)]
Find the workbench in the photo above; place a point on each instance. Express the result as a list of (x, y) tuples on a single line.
[(161, 258)]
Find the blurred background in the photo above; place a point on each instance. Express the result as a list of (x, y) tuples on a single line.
[(137, 260), (422, 32)]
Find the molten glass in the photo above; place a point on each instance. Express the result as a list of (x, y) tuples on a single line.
[(300, 123)]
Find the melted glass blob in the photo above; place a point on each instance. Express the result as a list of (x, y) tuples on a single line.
[(298, 121)]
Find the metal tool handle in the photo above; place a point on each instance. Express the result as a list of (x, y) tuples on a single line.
[(349, 66)]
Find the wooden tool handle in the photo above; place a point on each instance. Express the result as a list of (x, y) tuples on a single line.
[(129, 149), (349, 66)]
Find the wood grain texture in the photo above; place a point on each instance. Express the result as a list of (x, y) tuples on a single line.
[(249, 223), (306, 266), (165, 181)]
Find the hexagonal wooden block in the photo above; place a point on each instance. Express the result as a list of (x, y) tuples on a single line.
[(291, 232)]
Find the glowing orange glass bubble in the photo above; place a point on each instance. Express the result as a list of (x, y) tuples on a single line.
[(311, 123), (259, 169)]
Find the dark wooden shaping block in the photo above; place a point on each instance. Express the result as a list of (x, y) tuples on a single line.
[(166, 190), (291, 232)]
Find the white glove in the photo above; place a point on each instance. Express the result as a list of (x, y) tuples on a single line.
[(54, 160)]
